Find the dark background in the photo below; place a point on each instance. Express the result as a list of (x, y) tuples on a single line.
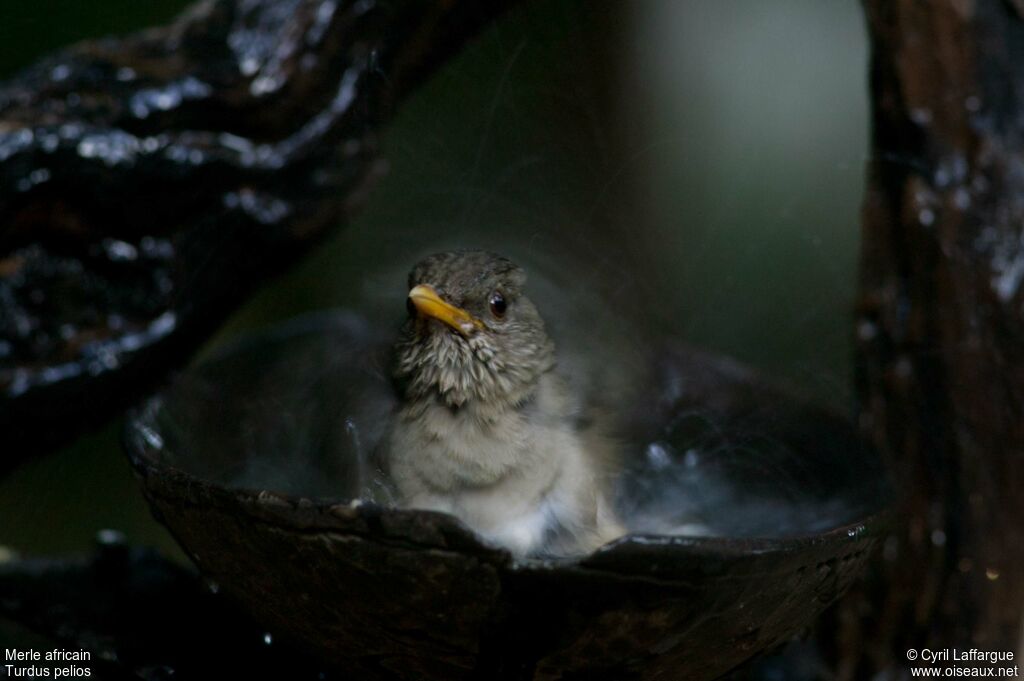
[(708, 155)]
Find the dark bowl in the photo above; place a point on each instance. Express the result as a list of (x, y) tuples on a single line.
[(252, 459)]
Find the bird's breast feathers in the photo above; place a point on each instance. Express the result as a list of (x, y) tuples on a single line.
[(512, 478)]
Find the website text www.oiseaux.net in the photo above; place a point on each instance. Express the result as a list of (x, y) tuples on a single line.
[(956, 663)]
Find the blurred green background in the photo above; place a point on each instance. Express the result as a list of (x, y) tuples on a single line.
[(705, 156)]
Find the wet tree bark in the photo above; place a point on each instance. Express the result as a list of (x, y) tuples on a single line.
[(149, 184), (940, 333)]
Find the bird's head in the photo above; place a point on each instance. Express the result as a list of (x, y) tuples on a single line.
[(472, 335)]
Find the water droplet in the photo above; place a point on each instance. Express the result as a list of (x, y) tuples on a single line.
[(159, 249), (926, 216), (962, 198), (60, 72), (992, 574), (152, 438), (249, 66), (268, 639), (972, 103), (1009, 277), (265, 85), (170, 96), (109, 537), (39, 175), (867, 330), (939, 538), (658, 456), (691, 458), (921, 116), (165, 100), (263, 208), (324, 15), (120, 251), (20, 382), (69, 130)]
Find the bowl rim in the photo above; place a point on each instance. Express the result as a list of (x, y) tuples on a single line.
[(438, 530), (627, 556)]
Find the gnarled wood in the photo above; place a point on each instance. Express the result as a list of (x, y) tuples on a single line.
[(148, 184), (941, 327)]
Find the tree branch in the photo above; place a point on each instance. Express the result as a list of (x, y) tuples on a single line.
[(149, 184)]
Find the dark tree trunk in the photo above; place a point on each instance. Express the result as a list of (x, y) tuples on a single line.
[(940, 330)]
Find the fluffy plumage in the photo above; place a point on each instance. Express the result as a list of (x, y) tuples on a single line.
[(486, 429)]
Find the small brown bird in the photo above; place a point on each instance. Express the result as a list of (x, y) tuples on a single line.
[(487, 429)]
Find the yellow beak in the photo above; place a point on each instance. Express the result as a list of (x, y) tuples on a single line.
[(429, 304)]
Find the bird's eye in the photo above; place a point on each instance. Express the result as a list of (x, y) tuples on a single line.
[(498, 304)]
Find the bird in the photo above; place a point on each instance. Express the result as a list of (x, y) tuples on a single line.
[(486, 427)]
